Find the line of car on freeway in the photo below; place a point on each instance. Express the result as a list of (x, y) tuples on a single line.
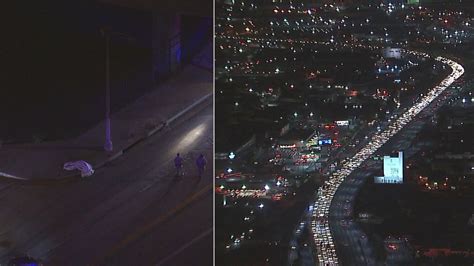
[(320, 225)]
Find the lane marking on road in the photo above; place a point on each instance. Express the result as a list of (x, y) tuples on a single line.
[(147, 227), (146, 187), (190, 243)]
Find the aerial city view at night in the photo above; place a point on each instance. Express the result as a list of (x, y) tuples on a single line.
[(344, 132)]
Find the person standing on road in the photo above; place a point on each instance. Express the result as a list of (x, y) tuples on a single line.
[(178, 163), (201, 165)]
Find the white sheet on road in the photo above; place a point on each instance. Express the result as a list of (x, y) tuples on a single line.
[(83, 166)]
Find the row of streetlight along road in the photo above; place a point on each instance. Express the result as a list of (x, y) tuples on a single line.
[(268, 41), (323, 239)]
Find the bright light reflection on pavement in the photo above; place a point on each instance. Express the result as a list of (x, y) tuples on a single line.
[(192, 136)]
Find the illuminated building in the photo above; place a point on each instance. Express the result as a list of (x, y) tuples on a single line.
[(392, 170)]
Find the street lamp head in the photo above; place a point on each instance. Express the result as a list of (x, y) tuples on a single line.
[(104, 30)]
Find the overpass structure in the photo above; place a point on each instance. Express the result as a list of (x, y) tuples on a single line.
[(177, 30)]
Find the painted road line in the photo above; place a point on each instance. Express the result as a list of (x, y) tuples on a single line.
[(190, 243), (146, 228)]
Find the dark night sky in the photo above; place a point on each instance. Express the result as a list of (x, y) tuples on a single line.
[(52, 61)]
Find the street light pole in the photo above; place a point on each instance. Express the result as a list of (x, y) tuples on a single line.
[(108, 146)]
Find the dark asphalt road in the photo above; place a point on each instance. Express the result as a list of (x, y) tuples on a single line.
[(131, 212)]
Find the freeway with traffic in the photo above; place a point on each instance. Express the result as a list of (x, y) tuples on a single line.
[(328, 207)]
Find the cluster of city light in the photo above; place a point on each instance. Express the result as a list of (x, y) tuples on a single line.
[(453, 27), (249, 67), (285, 24), (320, 225), (274, 41)]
